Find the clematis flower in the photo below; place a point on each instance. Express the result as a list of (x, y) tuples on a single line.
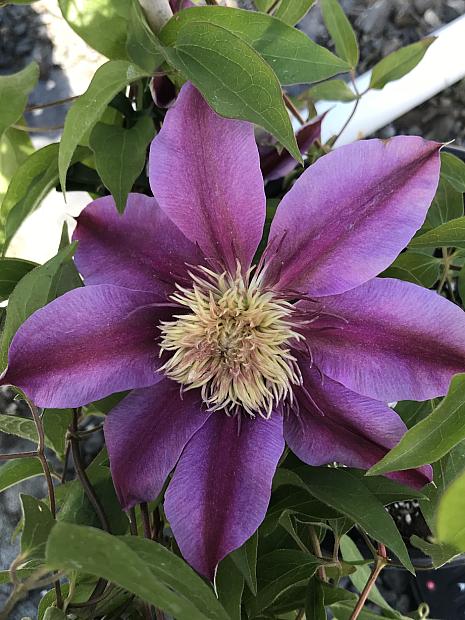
[(227, 361)]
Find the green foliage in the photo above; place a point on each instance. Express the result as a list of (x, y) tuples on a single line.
[(229, 584), (36, 289), (142, 47), (293, 12), (107, 82), (315, 601), (17, 470), (15, 89), (333, 90), (338, 487), (233, 77), (453, 170), (138, 565), (15, 146), (101, 23), (341, 31), (421, 269), (447, 204), (431, 438), (450, 527), (37, 524), (293, 57), (245, 559), (120, 155), (399, 63), (11, 272), (277, 572)]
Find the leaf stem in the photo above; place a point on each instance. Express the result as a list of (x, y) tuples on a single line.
[(37, 129), (82, 475), (293, 109), (317, 549), (380, 563), (51, 104), (48, 477), (18, 455)]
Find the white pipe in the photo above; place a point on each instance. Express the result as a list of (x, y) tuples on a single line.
[(442, 65), (157, 12)]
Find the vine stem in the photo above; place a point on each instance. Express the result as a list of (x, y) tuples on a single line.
[(18, 455), (351, 115), (293, 109), (82, 475), (317, 549), (48, 478), (51, 104), (37, 129), (380, 563)]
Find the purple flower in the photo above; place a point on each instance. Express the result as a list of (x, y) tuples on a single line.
[(227, 362)]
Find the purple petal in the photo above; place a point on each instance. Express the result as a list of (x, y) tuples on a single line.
[(400, 342), (275, 164), (140, 249), (351, 213), (145, 435), (85, 345), (346, 428), (205, 174), (221, 487)]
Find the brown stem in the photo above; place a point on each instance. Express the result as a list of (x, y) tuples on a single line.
[(292, 109), (317, 550), (51, 104), (144, 511), (82, 475), (48, 477), (17, 455), (381, 561), (37, 129), (273, 6), (132, 521)]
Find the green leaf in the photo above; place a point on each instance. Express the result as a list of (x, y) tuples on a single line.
[(14, 91), (431, 438), (17, 470), (439, 553), (277, 572), (420, 269), (138, 565), (292, 12), (450, 523), (15, 147), (350, 553), (413, 412), (11, 272), (229, 584), (142, 46), (32, 181), (22, 573), (294, 58), (453, 170), (108, 81), (120, 155), (53, 613), (77, 508), (245, 558), (101, 23), (341, 31), (315, 601), (334, 90), (447, 204), (399, 63), (346, 492), (56, 423), (37, 524), (450, 234), (34, 291), (233, 78), (344, 611), (20, 427)]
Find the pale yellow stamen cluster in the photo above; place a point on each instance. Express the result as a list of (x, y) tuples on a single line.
[(233, 343)]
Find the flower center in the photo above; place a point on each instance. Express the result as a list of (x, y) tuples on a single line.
[(233, 343)]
